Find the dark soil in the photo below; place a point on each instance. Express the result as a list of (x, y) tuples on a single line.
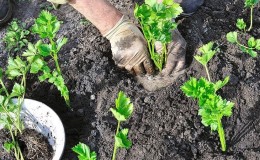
[(165, 124), (34, 146)]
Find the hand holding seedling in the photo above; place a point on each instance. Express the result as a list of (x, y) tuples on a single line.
[(156, 20), (212, 107), (129, 48)]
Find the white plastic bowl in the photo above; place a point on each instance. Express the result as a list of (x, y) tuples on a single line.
[(43, 119)]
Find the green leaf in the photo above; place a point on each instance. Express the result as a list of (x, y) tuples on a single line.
[(241, 24), (8, 146), (37, 65), (251, 42), (18, 90), (251, 3), (257, 46), (207, 53), (252, 53), (232, 37), (124, 107), (16, 67), (60, 42), (168, 2), (46, 25), (219, 84), (121, 139), (84, 152), (150, 2), (44, 49)]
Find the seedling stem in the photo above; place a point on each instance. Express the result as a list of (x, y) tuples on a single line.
[(207, 71), (221, 134), (115, 146), (251, 18)]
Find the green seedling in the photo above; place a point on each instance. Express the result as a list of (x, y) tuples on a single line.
[(122, 112), (84, 152), (253, 45), (156, 20), (47, 26), (9, 111), (251, 4), (17, 69), (16, 36), (212, 107)]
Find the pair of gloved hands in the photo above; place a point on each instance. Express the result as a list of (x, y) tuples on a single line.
[(129, 50)]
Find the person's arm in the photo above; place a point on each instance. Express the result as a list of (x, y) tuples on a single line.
[(99, 12)]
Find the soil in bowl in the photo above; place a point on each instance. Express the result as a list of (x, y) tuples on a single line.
[(34, 146)]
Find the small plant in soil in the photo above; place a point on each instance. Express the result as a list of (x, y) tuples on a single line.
[(84, 152), (251, 4), (156, 20), (9, 111), (47, 26), (212, 107), (122, 112), (253, 44), (16, 36)]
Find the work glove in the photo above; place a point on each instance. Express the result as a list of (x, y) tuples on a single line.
[(174, 67), (129, 48), (58, 1)]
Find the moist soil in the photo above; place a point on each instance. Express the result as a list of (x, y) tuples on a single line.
[(34, 145), (165, 124)]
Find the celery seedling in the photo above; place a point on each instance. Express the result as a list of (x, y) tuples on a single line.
[(9, 111), (253, 45), (157, 22), (212, 107), (84, 152), (251, 4), (122, 112), (47, 26), (16, 36)]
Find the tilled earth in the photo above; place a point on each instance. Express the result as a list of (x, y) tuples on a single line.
[(165, 124)]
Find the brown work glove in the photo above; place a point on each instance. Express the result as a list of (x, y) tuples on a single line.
[(174, 67), (176, 54), (129, 48)]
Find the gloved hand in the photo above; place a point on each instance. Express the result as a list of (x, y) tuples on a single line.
[(59, 1), (129, 48), (174, 67), (176, 54)]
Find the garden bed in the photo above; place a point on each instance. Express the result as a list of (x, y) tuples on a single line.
[(165, 124)]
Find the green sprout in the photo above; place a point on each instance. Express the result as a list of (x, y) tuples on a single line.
[(84, 152), (251, 4), (47, 26), (253, 45), (10, 111), (122, 112), (156, 20), (16, 36), (212, 107)]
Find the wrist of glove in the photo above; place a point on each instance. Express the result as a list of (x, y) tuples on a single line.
[(129, 48), (59, 1)]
